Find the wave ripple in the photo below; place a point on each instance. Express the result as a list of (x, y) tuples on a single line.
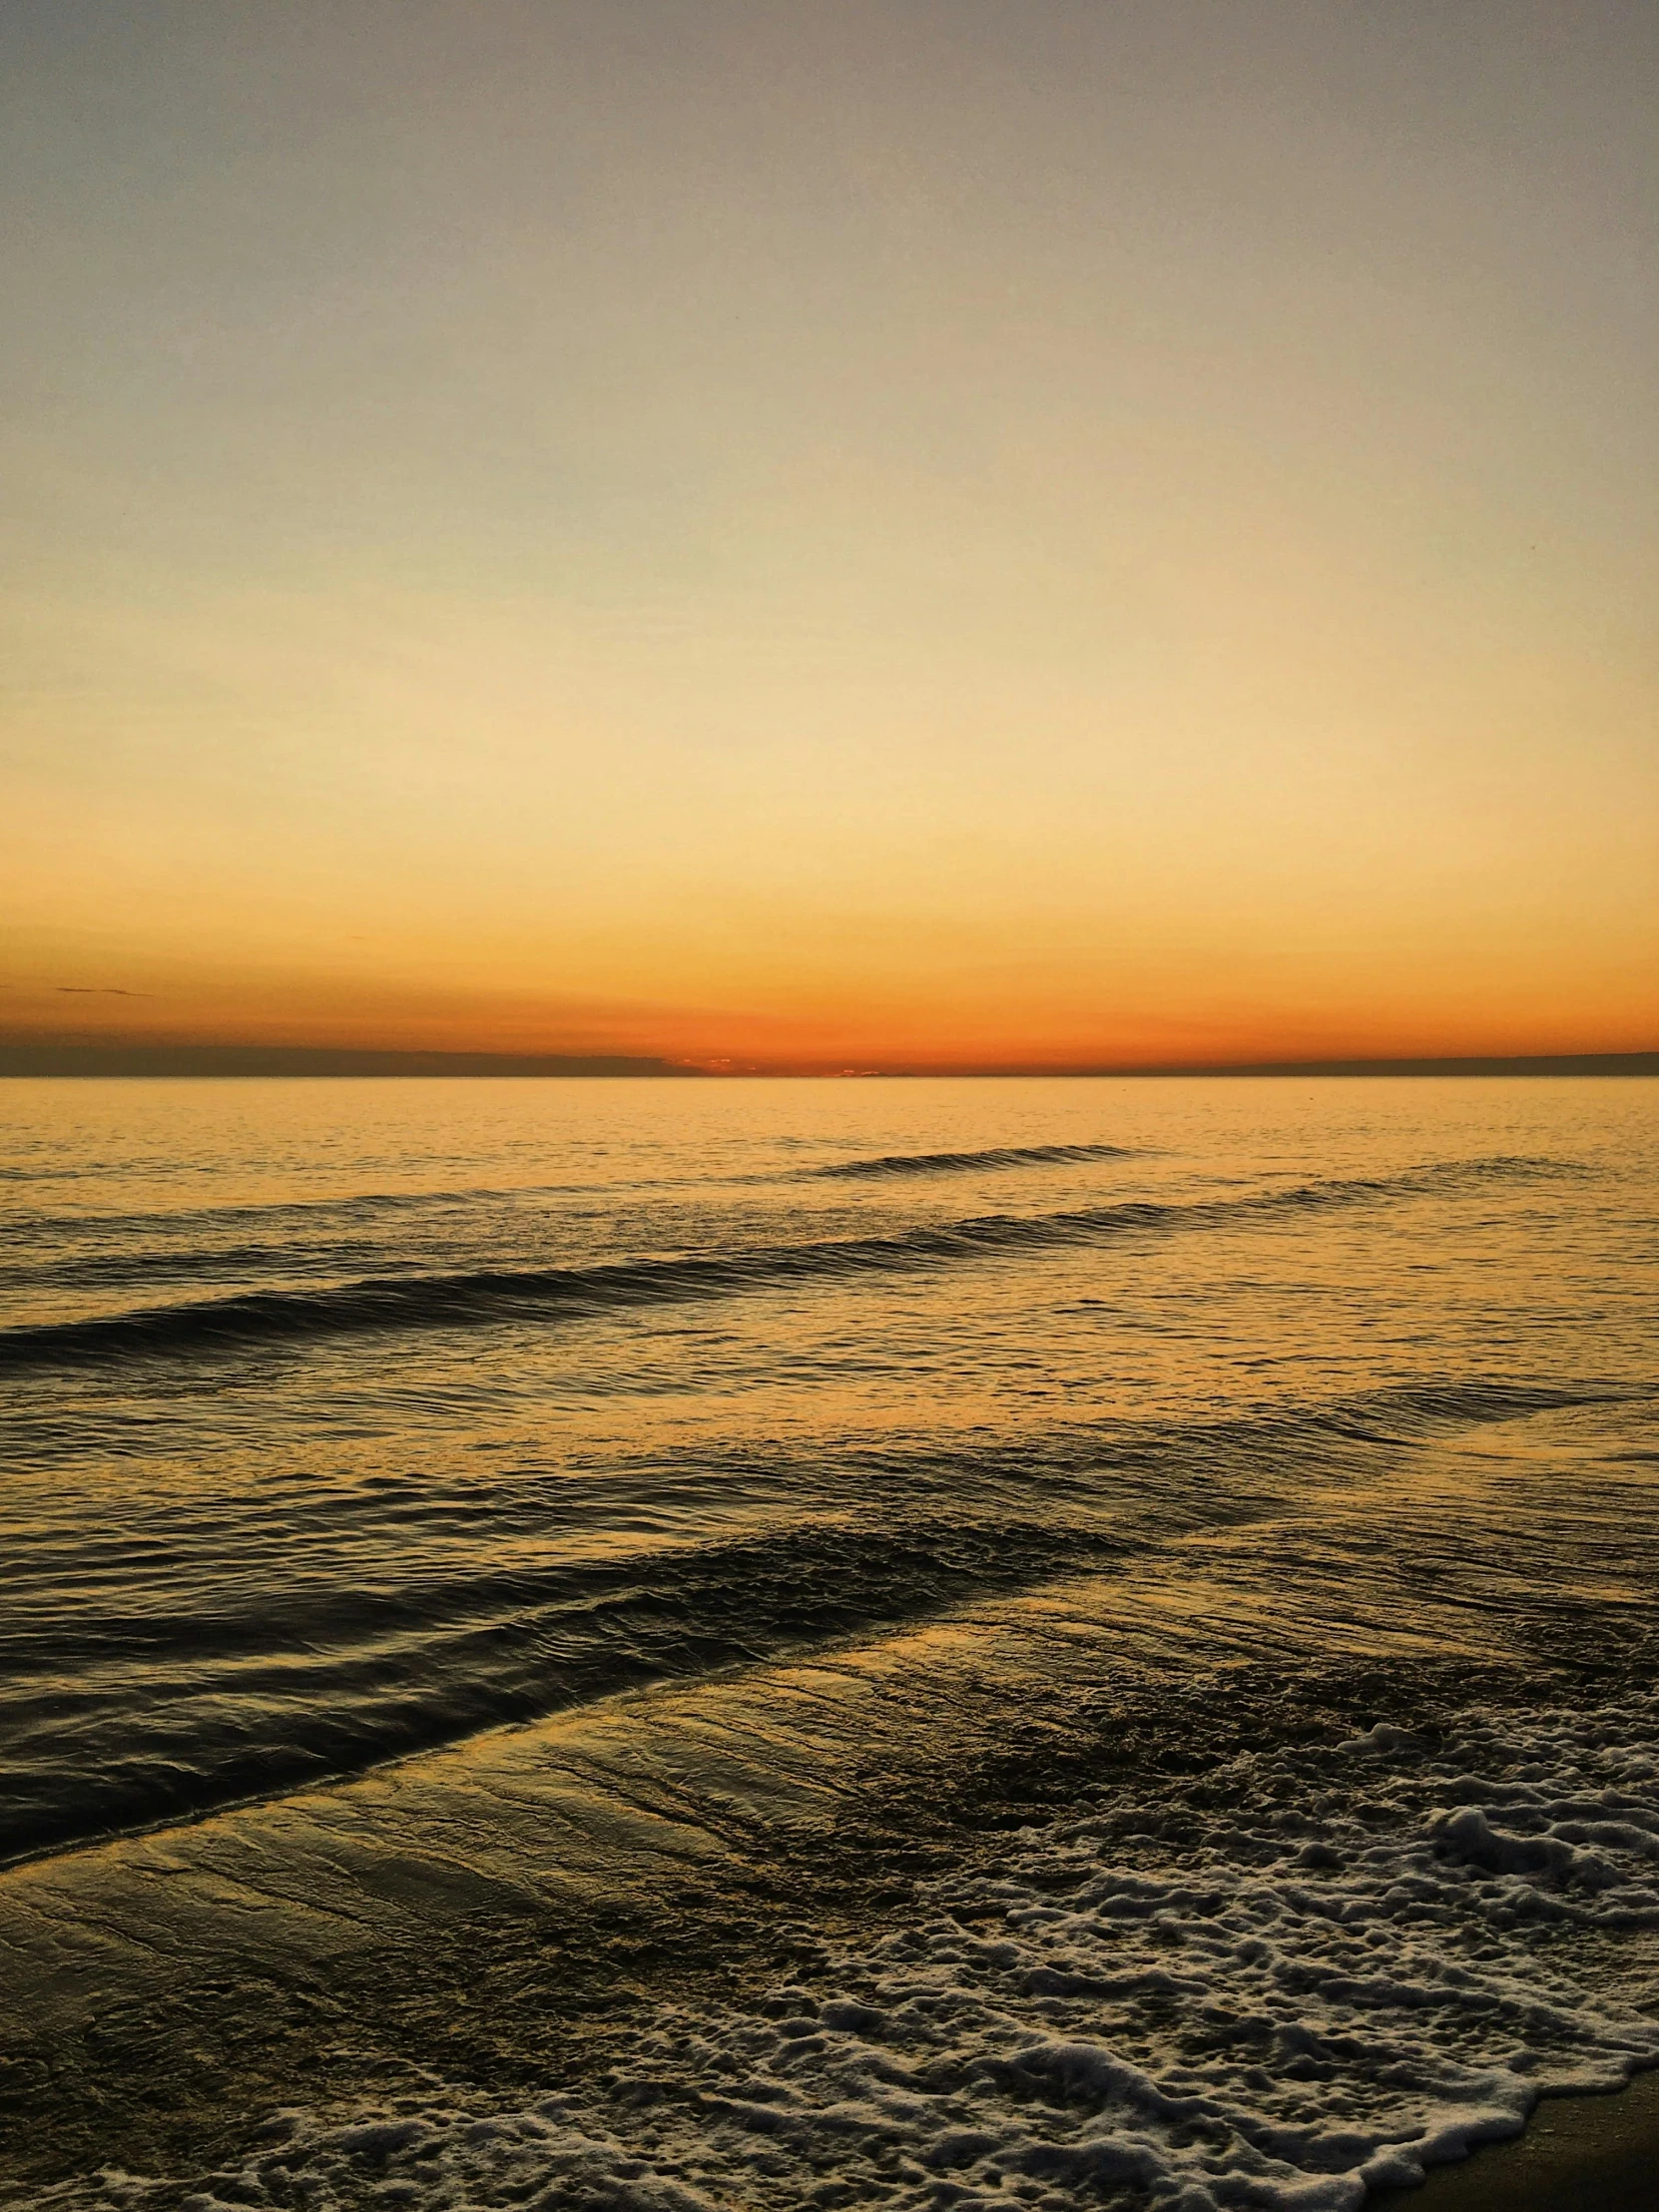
[(963, 1163), (271, 1319)]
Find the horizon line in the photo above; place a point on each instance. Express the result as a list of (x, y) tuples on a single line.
[(63, 1061)]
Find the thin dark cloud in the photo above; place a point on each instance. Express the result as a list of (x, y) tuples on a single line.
[(99, 991)]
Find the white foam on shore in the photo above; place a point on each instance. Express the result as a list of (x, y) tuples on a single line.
[(1308, 1972)]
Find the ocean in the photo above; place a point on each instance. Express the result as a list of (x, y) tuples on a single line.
[(742, 1643)]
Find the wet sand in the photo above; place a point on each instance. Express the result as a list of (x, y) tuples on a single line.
[(1578, 2154)]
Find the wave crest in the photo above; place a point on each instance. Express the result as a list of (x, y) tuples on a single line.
[(963, 1163)]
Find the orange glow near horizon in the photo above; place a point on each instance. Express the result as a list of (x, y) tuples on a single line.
[(971, 1022), (833, 538)]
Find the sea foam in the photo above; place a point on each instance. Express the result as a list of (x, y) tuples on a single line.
[(1306, 1973)]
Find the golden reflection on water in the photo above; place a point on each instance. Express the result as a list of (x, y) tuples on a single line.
[(408, 1645)]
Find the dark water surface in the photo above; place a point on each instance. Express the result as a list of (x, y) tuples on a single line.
[(680, 1644)]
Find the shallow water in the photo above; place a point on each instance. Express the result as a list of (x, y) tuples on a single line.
[(756, 1454)]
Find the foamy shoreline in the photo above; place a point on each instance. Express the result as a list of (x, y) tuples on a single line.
[(1296, 1976), (1578, 2154)]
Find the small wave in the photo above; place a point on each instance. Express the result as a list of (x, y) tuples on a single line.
[(965, 1163), (320, 1683), (275, 1318), (359, 1207), (180, 1665)]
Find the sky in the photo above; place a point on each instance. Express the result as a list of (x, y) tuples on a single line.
[(830, 533)]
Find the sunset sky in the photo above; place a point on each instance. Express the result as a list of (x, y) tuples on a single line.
[(943, 533)]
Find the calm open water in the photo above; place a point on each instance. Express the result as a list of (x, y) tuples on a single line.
[(433, 1509)]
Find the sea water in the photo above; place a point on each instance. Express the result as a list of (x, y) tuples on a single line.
[(1081, 1641)]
